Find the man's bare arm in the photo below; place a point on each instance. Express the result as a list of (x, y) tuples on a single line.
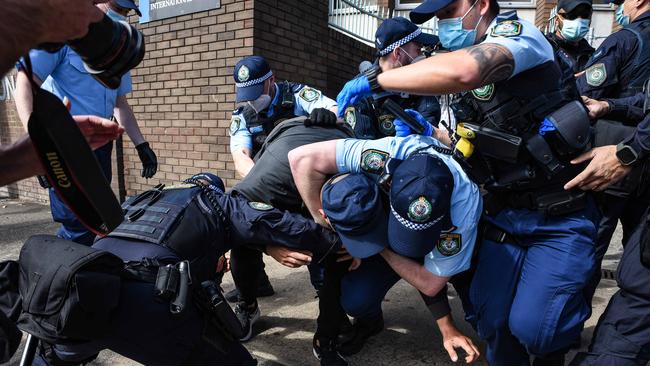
[(125, 117), (18, 161), (23, 96), (452, 72), (414, 273), (310, 166), (243, 161)]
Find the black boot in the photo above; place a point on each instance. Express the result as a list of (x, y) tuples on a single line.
[(325, 350), (363, 329)]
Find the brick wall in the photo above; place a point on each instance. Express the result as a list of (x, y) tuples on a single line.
[(543, 12)]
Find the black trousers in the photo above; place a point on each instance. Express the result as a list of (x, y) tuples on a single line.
[(622, 336)]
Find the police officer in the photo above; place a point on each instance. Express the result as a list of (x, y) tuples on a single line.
[(398, 42), (622, 334), (444, 204), (618, 70), (572, 51), (538, 237), (270, 181), (263, 104), (195, 223), (63, 73)]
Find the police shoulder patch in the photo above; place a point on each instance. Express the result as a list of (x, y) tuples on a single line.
[(596, 74), (350, 117), (484, 93), (449, 243), (309, 94), (234, 125), (260, 206), (373, 161), (506, 28)]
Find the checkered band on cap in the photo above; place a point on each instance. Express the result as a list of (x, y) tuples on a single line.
[(255, 81), (412, 225), (400, 43)]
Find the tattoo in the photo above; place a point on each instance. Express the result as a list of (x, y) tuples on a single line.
[(495, 62)]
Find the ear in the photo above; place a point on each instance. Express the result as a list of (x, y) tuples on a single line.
[(483, 6)]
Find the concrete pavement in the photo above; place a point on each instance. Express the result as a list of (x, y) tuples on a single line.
[(288, 319)]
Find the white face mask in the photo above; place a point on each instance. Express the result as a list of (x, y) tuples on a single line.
[(261, 103)]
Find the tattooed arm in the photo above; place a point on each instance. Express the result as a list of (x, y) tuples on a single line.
[(452, 72)]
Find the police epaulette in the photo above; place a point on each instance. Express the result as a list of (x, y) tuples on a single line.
[(237, 111)]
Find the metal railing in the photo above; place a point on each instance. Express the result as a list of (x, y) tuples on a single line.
[(360, 19)]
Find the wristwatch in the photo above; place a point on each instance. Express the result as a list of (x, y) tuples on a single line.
[(626, 154)]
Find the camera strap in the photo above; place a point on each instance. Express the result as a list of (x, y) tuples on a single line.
[(71, 167)]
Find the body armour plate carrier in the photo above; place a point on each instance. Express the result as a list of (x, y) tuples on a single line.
[(637, 71)]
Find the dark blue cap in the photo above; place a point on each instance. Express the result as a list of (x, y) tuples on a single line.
[(128, 4), (352, 203), (398, 31), (250, 74), (569, 5), (427, 10), (420, 199), (211, 179)]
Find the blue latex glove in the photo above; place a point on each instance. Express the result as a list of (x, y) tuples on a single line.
[(402, 129), (352, 91)]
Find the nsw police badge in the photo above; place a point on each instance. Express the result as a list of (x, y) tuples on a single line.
[(506, 28), (373, 161), (449, 244), (309, 95), (350, 117), (420, 210), (596, 74), (234, 125), (484, 93), (243, 74)]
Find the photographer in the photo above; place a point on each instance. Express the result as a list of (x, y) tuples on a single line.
[(68, 77)]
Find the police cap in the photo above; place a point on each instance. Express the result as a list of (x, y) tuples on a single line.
[(250, 74), (128, 4), (567, 6), (398, 31)]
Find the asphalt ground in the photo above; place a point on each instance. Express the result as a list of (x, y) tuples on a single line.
[(285, 330)]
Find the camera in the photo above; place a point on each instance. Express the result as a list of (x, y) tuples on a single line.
[(109, 50)]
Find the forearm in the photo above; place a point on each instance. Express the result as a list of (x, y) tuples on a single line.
[(23, 97), (640, 141), (243, 162), (447, 326), (18, 161), (414, 273), (126, 118), (451, 72), (629, 109)]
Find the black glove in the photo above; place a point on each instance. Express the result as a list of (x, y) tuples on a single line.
[(148, 159), (321, 117)]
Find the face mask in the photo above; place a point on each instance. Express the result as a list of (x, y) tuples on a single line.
[(574, 30), (261, 103), (621, 18), (453, 36), (115, 15), (411, 59)]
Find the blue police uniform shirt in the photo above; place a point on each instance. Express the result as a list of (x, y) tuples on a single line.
[(601, 77), (466, 202), (242, 138), (525, 42), (64, 75)]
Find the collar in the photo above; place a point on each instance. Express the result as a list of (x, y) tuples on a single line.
[(642, 17)]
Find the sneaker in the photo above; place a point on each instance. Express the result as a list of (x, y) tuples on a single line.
[(363, 329), (324, 349), (264, 290), (247, 315)]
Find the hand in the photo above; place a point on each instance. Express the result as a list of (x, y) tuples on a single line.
[(402, 129), (148, 159), (76, 15), (603, 170), (597, 108), (352, 91), (321, 117), (98, 131), (345, 256), (455, 339), (223, 265), (288, 257)]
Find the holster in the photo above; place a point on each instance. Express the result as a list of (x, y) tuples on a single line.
[(221, 324), (68, 290), (492, 143)]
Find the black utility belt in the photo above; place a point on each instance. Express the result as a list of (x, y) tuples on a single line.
[(551, 204)]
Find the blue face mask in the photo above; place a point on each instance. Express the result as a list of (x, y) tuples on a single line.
[(621, 18), (453, 36), (115, 15), (574, 30)]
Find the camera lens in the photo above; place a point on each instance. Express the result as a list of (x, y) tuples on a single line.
[(110, 50)]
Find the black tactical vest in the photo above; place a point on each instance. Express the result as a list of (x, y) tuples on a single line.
[(270, 180), (260, 125), (571, 59), (516, 106), (636, 70), (181, 218)]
